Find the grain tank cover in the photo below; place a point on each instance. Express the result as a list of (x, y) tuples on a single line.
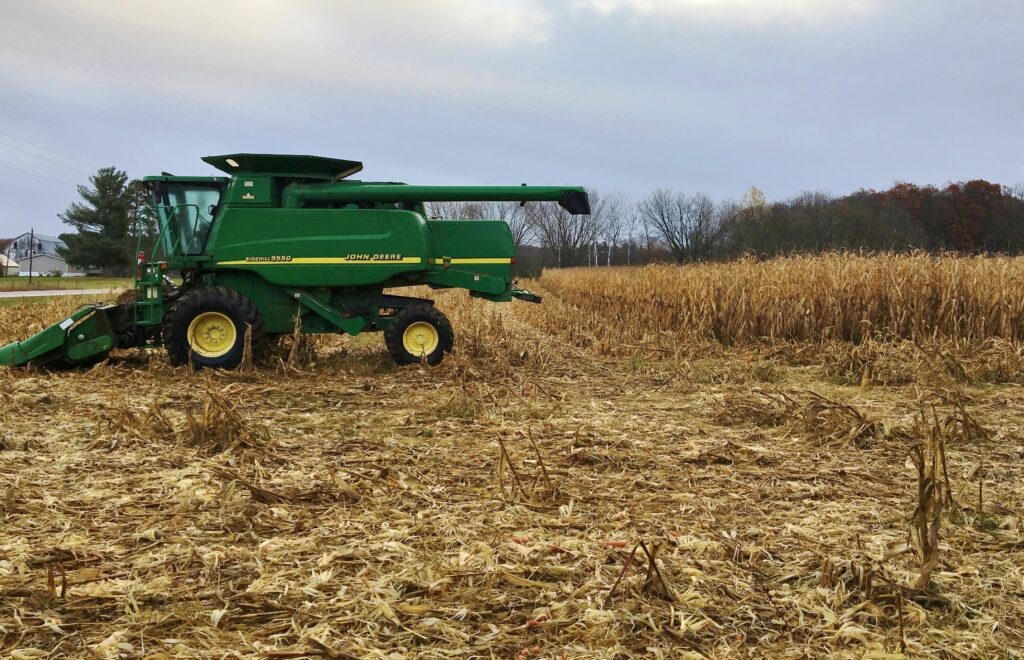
[(299, 167)]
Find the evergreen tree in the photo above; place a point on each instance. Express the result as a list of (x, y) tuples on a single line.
[(104, 223), (142, 214)]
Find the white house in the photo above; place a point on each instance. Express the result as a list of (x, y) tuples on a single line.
[(39, 252), (8, 266)]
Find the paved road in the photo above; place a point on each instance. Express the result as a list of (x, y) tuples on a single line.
[(46, 293)]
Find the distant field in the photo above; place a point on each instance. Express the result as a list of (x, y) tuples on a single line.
[(74, 301), (633, 468), (15, 302), (44, 283)]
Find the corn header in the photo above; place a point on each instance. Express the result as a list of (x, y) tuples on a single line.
[(291, 241)]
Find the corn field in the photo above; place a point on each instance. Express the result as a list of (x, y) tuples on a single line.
[(835, 296)]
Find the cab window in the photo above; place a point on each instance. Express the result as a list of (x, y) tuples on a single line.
[(190, 209)]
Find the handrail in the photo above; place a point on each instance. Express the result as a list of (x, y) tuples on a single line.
[(159, 242), (192, 234)]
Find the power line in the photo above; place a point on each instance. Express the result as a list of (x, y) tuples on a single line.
[(39, 146), (38, 176), (48, 160)]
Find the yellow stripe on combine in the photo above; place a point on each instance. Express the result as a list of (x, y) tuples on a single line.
[(502, 260), (322, 261)]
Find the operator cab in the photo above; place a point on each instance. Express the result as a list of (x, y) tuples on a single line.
[(186, 207)]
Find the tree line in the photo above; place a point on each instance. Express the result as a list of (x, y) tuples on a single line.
[(670, 225)]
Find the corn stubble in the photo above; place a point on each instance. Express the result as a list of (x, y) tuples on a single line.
[(608, 474)]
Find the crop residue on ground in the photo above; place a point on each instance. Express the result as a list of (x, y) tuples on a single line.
[(540, 493)]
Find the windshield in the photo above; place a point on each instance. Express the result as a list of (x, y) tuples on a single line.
[(192, 209)]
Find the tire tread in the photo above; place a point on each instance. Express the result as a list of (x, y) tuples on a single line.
[(408, 315), (178, 318)]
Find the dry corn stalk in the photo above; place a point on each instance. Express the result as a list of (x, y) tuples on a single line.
[(851, 297), (220, 426), (293, 352), (513, 485), (247, 362), (934, 496)]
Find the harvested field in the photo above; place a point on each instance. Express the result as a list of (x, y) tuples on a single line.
[(563, 486), (50, 283)]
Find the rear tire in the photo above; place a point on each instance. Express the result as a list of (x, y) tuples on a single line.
[(209, 325), (417, 333)]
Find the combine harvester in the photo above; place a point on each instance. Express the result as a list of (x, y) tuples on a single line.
[(286, 241)]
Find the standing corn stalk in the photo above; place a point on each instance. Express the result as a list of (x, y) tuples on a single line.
[(934, 496)]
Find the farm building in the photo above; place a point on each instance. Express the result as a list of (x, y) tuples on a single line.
[(8, 266), (39, 252)]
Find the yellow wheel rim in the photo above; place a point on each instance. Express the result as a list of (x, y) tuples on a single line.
[(420, 338), (211, 334)]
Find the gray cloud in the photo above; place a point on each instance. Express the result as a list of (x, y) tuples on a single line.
[(618, 94)]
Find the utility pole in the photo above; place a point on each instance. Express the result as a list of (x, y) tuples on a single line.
[(7, 264), (31, 250)]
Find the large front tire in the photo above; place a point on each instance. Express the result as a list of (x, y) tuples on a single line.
[(209, 326), (418, 333)]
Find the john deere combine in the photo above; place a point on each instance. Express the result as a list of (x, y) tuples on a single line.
[(291, 241)]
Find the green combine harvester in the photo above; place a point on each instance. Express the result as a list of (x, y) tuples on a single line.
[(290, 242)]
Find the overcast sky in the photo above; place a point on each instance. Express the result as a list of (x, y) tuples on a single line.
[(625, 95)]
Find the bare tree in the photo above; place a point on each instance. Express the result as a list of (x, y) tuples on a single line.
[(455, 210), (663, 214), (689, 226), (568, 237), (630, 225), (729, 213), (610, 213)]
